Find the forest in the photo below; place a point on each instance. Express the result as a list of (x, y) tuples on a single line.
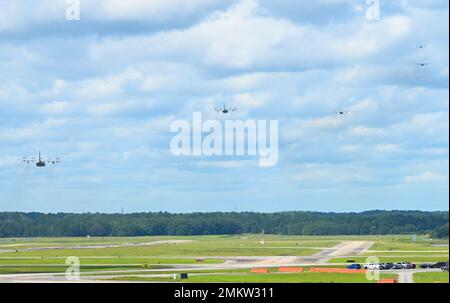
[(17, 224)]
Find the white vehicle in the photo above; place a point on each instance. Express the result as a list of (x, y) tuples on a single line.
[(406, 265), (372, 266)]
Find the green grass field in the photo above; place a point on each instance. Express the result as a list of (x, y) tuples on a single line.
[(406, 258), (107, 261), (137, 254), (266, 278), (197, 246), (431, 277), (404, 244), (62, 269)]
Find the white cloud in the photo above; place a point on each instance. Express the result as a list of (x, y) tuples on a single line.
[(365, 131), (225, 164), (32, 131), (57, 107), (330, 174), (160, 125), (350, 148), (251, 100), (144, 9), (18, 15), (242, 37), (424, 125), (387, 148), (114, 82), (426, 177), (25, 15), (9, 160), (119, 108)]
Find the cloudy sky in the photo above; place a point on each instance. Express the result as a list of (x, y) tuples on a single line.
[(102, 92)]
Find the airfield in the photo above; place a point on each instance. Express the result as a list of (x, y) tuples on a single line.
[(217, 259)]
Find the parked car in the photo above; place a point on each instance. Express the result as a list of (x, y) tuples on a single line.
[(439, 265), (386, 266), (426, 266), (397, 266), (354, 266), (445, 267), (372, 266), (407, 265), (410, 265)]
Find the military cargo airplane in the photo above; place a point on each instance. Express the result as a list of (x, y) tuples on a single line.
[(40, 162)]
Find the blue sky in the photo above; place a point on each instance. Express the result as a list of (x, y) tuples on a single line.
[(102, 92)]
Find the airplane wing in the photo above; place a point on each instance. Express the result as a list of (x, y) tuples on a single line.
[(28, 160), (51, 161)]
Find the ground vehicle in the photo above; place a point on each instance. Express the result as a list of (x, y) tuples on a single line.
[(410, 265), (439, 264), (426, 266), (354, 266), (372, 266), (386, 266), (445, 267), (397, 266), (406, 265)]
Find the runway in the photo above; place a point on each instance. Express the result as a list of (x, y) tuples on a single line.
[(319, 259)]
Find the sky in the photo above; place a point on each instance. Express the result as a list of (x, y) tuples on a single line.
[(101, 93)]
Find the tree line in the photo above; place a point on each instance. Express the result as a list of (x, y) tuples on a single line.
[(18, 224)]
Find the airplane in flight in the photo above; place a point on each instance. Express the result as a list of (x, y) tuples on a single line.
[(225, 110), (422, 64), (341, 112), (40, 161)]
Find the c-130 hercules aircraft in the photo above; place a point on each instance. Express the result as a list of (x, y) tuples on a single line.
[(41, 162)]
